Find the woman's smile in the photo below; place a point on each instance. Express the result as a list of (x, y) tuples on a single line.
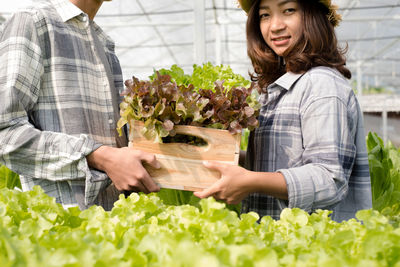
[(280, 24), (281, 41)]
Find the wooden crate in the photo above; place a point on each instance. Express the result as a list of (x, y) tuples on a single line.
[(181, 164)]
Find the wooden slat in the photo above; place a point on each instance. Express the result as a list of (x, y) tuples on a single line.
[(182, 164)]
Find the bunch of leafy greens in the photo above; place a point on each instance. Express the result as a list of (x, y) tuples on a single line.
[(142, 231), (204, 76), (211, 97), (384, 165)]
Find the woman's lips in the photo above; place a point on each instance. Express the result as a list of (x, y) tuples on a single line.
[(279, 41)]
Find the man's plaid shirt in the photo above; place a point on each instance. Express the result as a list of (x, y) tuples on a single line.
[(59, 93)]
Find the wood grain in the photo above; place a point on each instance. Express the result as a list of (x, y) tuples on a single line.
[(182, 164)]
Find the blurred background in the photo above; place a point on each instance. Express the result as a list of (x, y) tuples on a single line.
[(153, 34)]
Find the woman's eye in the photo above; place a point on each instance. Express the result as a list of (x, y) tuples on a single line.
[(264, 15), (290, 10)]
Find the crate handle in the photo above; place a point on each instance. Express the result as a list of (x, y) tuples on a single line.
[(194, 131)]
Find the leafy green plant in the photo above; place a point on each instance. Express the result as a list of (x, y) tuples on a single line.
[(244, 139), (204, 76), (384, 164), (8, 178)]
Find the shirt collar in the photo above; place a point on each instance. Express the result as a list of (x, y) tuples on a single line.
[(287, 80), (66, 9)]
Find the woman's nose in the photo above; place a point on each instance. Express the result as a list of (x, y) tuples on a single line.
[(277, 23)]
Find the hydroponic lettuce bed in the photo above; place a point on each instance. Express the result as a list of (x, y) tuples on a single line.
[(142, 231)]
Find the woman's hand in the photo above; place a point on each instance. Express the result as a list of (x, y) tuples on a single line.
[(236, 183), (233, 186)]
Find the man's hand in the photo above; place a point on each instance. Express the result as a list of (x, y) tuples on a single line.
[(124, 167)]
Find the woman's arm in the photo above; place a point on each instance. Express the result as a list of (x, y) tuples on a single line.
[(236, 183)]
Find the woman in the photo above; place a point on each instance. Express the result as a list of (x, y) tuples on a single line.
[(309, 150)]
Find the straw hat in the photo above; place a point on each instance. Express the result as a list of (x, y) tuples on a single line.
[(333, 16)]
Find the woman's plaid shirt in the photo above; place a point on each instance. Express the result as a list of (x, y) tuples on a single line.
[(311, 130)]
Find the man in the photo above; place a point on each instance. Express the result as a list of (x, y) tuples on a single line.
[(59, 93)]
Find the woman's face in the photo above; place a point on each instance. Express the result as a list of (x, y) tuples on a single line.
[(280, 24)]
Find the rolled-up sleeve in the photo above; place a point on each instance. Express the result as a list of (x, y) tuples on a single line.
[(328, 130)]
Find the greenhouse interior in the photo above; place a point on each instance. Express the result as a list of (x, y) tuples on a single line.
[(152, 35), (176, 228)]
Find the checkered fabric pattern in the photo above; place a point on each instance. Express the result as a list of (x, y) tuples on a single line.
[(60, 84), (311, 130)]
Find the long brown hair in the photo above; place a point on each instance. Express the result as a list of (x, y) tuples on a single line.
[(318, 46)]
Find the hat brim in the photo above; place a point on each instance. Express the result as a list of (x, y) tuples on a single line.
[(246, 5)]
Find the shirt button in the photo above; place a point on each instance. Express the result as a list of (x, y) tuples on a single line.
[(110, 121)]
